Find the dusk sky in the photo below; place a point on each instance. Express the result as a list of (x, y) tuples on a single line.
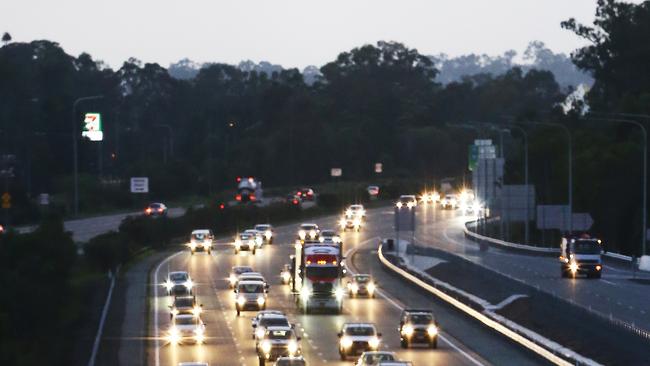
[(292, 33)]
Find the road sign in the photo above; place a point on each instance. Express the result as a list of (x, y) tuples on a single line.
[(139, 185), (379, 167), (336, 172), (43, 199), (6, 200), (482, 142), (93, 127)]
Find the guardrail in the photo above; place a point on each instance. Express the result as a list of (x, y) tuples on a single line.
[(527, 248), (550, 351)]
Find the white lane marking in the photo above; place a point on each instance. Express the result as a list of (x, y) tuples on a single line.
[(102, 320), (400, 308), (155, 314), (608, 282)]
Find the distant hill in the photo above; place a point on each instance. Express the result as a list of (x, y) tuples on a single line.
[(536, 56)]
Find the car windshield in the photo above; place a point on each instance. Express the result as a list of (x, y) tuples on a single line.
[(327, 233), (250, 288), (359, 330), (421, 318), (586, 247), (374, 358), (199, 236), (154, 205), (309, 227), (184, 302), (240, 270), (245, 236), (362, 279), (185, 320), (279, 334), (177, 277), (261, 227), (269, 322), (291, 363)]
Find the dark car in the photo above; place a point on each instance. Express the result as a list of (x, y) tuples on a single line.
[(278, 342), (185, 305), (418, 326), (307, 194), (293, 199), (156, 209), (362, 285)]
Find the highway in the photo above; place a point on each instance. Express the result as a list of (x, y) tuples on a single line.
[(229, 342)]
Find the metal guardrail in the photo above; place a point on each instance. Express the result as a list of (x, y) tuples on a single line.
[(529, 248), (544, 351)]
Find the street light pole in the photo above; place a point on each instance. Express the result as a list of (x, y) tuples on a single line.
[(75, 157), (644, 214)]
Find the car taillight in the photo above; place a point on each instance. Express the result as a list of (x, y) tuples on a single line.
[(295, 202), (238, 179), (299, 194), (148, 210), (222, 206), (252, 197), (160, 210), (238, 197)]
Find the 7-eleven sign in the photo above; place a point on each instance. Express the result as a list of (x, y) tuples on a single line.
[(93, 127)]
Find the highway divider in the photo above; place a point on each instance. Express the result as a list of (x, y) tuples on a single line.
[(545, 348)]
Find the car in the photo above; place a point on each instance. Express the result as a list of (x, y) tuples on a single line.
[(278, 342), (362, 285), (329, 236), (266, 321), (178, 283), (373, 191), (252, 276), (373, 358), (306, 194), (449, 202), (356, 338), (267, 232), (156, 209), (250, 295), (290, 361), (308, 231), (407, 200), (245, 241), (395, 363), (235, 271), (356, 211), (293, 199), (285, 274), (201, 240), (430, 197), (350, 223), (186, 329), (193, 364), (2, 229), (185, 305), (259, 237), (418, 326)]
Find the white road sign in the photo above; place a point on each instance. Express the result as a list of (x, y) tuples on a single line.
[(93, 127), (140, 185), (336, 172)]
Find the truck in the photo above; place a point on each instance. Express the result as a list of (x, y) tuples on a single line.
[(581, 254), (248, 190), (317, 276)]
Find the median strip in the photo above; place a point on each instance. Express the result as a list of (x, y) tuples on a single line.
[(542, 346)]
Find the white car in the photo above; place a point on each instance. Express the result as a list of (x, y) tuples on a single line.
[(186, 329), (356, 211), (356, 338), (235, 272), (250, 295), (252, 276), (201, 240), (258, 237), (407, 200), (373, 358), (268, 320), (178, 283), (308, 231), (290, 361), (262, 313), (449, 201), (267, 232), (246, 241), (350, 223), (329, 236)]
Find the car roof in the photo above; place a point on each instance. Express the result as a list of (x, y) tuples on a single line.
[(183, 298), (278, 327), (251, 282), (179, 272), (269, 225), (251, 274), (250, 231), (370, 325), (274, 315), (201, 231), (184, 316), (362, 275), (235, 267), (308, 224), (356, 206), (266, 312)]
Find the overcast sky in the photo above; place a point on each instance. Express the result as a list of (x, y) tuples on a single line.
[(293, 33)]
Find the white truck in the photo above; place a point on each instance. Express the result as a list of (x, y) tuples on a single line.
[(581, 255), (317, 275)]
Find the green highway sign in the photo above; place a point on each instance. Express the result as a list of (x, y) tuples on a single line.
[(93, 127)]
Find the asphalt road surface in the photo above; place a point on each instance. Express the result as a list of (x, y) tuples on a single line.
[(229, 342)]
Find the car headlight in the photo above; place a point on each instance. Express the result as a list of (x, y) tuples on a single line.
[(337, 239), (174, 335), (302, 234), (346, 342), (259, 332), (356, 222), (168, 285), (321, 239), (410, 204), (348, 213), (260, 300), (258, 240), (266, 347), (292, 347), (574, 267), (232, 279), (196, 310), (268, 234), (207, 243), (374, 342), (174, 311), (199, 335), (286, 276), (371, 287), (342, 222), (312, 234), (241, 300), (354, 288), (237, 243), (407, 330), (189, 284), (432, 330), (399, 204), (305, 294), (338, 293), (192, 245)]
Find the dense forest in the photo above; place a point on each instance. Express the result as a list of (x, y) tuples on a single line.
[(375, 103)]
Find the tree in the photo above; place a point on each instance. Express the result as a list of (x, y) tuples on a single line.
[(617, 56), (6, 38)]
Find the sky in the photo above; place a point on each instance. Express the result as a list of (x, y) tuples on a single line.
[(293, 33)]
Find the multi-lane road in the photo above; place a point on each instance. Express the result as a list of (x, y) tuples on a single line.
[(463, 341)]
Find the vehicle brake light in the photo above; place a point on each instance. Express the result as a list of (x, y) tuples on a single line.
[(322, 262), (238, 179), (252, 197), (160, 210), (295, 202), (222, 206), (308, 262), (238, 197), (148, 210), (299, 194)]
